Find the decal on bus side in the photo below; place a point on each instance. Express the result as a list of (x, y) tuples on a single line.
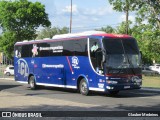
[(35, 50), (75, 62), (23, 68), (52, 66)]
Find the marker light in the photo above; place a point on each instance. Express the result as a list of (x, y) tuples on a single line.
[(111, 82)]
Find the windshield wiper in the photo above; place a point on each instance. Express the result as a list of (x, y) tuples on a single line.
[(128, 58)]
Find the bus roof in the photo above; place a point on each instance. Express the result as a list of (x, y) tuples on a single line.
[(75, 35)]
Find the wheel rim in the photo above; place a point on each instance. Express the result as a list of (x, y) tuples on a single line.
[(84, 87), (32, 83)]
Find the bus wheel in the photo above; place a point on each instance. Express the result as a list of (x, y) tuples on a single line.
[(83, 87), (113, 92), (32, 83)]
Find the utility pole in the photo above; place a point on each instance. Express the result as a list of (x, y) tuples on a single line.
[(127, 14), (71, 18)]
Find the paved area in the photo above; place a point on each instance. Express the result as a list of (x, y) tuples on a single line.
[(19, 97), (13, 100)]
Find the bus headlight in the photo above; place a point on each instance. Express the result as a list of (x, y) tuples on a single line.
[(111, 82)]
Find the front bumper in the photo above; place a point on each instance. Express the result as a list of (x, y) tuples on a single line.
[(122, 87)]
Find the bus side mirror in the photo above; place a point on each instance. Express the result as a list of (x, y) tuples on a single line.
[(140, 57), (140, 53)]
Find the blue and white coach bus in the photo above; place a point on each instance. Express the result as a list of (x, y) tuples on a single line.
[(88, 61)]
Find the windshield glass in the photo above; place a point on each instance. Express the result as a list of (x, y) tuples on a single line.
[(121, 53), (121, 61)]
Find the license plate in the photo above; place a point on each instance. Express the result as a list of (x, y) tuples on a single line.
[(126, 87)]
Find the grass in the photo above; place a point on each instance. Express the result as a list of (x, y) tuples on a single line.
[(151, 81)]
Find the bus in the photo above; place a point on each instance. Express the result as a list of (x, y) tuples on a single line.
[(87, 61)]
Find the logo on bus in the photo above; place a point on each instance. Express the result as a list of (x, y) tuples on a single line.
[(35, 50), (23, 68), (75, 62)]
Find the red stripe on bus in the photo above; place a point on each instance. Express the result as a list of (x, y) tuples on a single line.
[(69, 64)]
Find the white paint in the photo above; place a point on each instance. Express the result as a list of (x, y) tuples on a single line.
[(55, 85), (24, 82), (86, 33), (96, 89)]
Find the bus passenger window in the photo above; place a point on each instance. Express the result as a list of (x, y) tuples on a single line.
[(44, 50), (26, 51), (68, 50), (80, 47)]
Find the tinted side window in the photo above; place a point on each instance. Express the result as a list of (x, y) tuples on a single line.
[(56, 49), (26, 51), (44, 50), (80, 47), (68, 48), (11, 68)]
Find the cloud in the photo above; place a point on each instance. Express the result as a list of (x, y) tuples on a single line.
[(85, 15), (87, 11), (97, 11), (67, 9)]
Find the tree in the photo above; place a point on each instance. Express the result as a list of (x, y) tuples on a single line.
[(121, 29), (7, 43), (123, 6), (148, 41), (50, 32), (148, 10), (20, 19), (107, 29)]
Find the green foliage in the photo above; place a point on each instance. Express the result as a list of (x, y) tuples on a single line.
[(21, 18), (149, 42), (149, 11), (121, 29), (50, 32), (107, 29), (7, 41), (122, 5)]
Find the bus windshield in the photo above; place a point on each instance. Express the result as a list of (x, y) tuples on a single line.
[(122, 53)]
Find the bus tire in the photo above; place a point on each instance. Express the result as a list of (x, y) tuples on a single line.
[(113, 92), (32, 83), (83, 87)]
